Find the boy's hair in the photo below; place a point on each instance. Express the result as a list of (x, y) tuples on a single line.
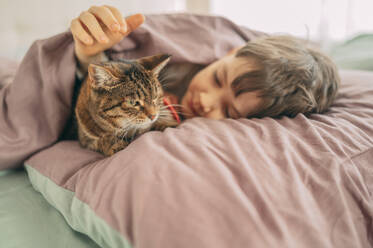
[(292, 77)]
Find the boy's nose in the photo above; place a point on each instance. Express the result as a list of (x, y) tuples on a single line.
[(207, 102)]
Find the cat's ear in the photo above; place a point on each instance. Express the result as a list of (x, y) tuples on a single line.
[(155, 63), (101, 77)]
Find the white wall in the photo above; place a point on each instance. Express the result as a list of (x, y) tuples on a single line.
[(23, 21), (325, 20)]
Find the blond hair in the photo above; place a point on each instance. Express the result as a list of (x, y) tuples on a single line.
[(292, 77)]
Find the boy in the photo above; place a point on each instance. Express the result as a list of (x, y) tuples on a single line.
[(269, 76)]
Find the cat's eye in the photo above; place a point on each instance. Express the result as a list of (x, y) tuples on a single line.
[(132, 102)]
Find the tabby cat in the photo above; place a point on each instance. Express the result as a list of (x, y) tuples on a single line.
[(120, 100)]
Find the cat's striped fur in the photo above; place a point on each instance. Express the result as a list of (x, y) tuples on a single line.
[(120, 100)]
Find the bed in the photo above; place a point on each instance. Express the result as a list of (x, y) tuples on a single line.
[(286, 182), (28, 220)]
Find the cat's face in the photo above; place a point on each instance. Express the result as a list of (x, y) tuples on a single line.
[(126, 94)]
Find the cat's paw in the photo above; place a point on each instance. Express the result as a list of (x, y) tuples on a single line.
[(159, 127), (163, 124), (120, 145), (114, 147)]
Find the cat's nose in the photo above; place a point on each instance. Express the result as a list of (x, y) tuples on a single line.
[(151, 112)]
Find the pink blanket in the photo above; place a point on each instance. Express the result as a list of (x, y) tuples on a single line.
[(36, 107), (301, 182)]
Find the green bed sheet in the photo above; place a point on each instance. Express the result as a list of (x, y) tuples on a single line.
[(28, 221), (355, 53)]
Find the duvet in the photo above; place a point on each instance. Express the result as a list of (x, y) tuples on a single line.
[(287, 182)]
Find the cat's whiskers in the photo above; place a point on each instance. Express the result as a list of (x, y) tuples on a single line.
[(166, 110), (120, 134), (125, 127), (166, 113), (134, 133), (186, 114), (123, 131), (163, 117), (173, 105), (165, 85)]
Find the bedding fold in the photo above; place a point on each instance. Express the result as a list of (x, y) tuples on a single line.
[(35, 108), (285, 182)]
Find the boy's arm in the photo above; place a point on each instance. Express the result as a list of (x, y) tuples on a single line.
[(97, 30), (82, 65)]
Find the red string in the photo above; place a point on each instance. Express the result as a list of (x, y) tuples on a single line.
[(171, 108)]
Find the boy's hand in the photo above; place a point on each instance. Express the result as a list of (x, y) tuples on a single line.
[(100, 28)]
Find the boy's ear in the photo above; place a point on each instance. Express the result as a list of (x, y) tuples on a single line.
[(155, 63), (101, 77)]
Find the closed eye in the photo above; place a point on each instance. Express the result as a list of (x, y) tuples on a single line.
[(216, 79), (227, 112), (111, 107), (219, 84)]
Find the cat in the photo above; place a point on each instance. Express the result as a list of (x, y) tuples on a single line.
[(120, 100)]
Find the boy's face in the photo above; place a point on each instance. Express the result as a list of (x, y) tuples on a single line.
[(210, 94)]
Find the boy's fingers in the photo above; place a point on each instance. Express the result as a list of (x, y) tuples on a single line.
[(134, 21), (79, 32), (106, 16), (119, 18), (90, 21)]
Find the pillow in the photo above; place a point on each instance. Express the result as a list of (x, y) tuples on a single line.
[(301, 182)]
